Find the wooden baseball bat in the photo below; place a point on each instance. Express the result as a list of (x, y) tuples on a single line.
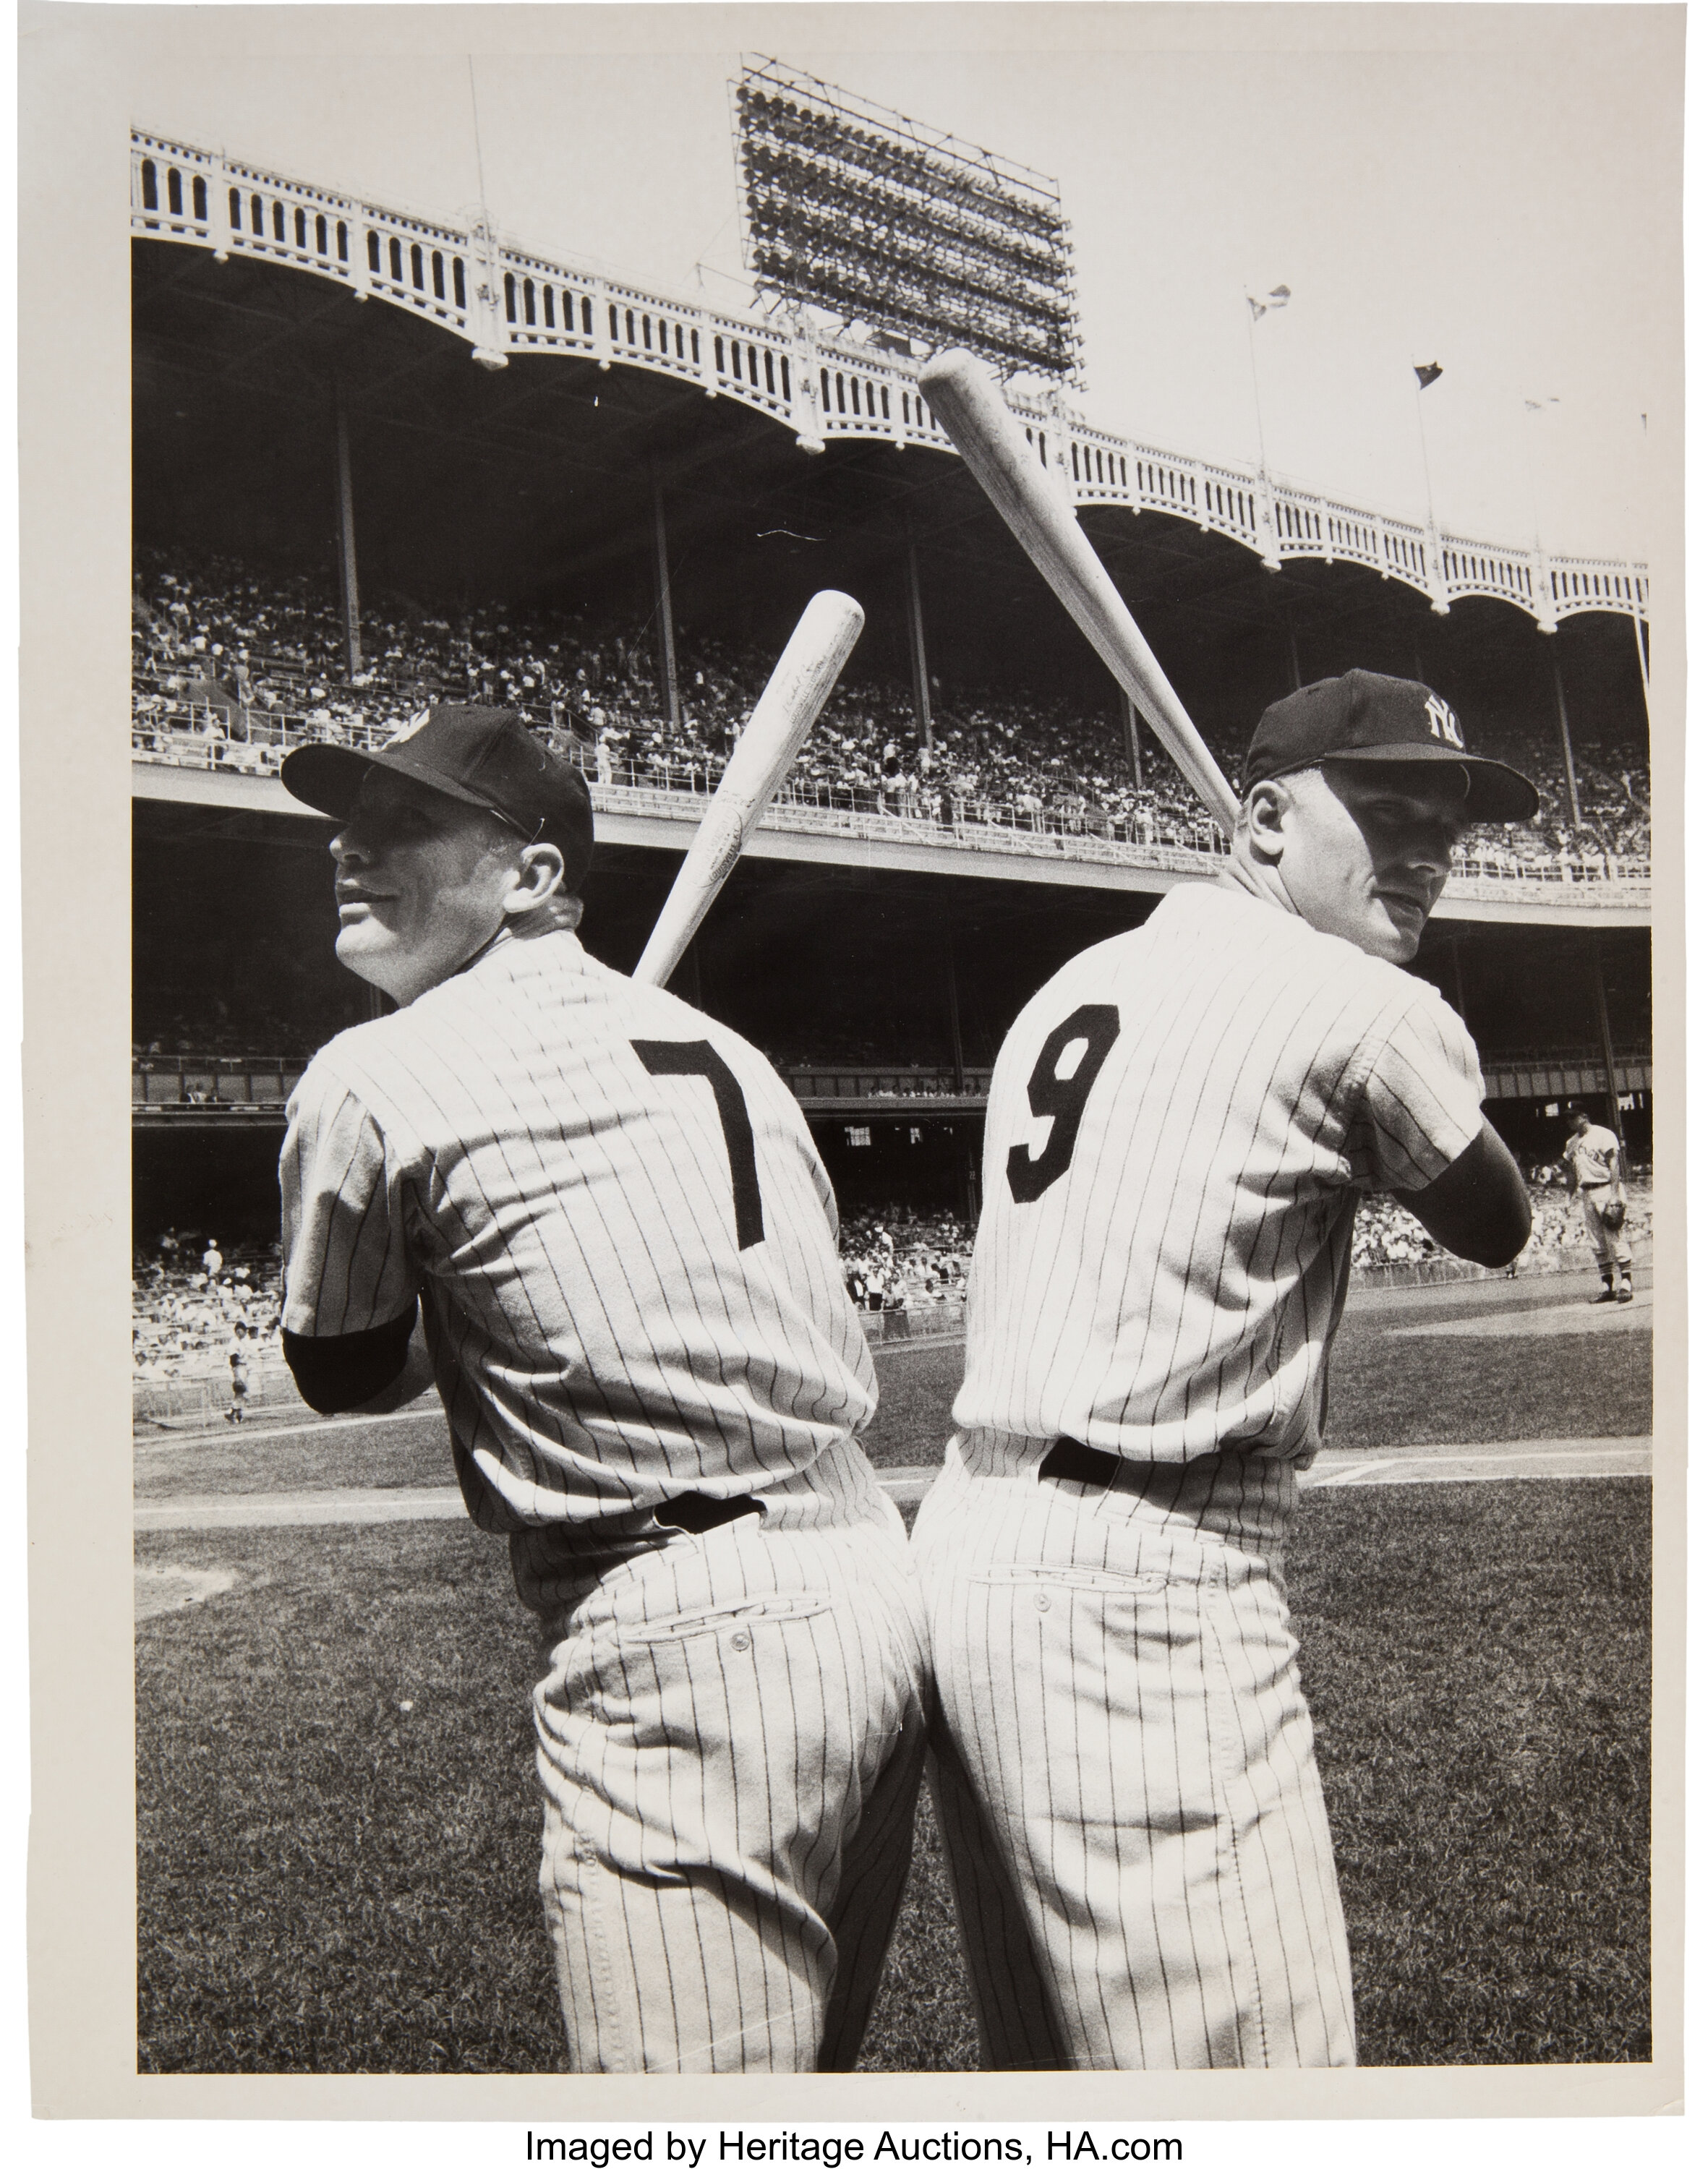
[(798, 687), (965, 399)]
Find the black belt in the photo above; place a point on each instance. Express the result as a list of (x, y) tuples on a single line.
[(697, 1513), (1080, 1464)]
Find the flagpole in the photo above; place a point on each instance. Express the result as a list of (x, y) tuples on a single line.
[(1437, 573), (1270, 549), (1423, 442), (1257, 391), (1531, 407)]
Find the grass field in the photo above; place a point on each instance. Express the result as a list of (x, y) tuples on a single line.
[(336, 1822), (1389, 1385)]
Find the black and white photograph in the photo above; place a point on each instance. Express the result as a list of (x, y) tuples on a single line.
[(902, 1149)]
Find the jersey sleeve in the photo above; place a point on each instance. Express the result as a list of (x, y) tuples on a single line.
[(1421, 1103), (347, 1267)]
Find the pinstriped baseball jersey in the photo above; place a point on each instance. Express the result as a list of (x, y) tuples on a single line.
[(1180, 1124), (613, 1211), (625, 1246)]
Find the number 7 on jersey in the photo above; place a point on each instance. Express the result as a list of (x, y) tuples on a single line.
[(697, 1057)]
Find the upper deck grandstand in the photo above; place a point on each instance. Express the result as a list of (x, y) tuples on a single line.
[(233, 667), (608, 508), (573, 527)]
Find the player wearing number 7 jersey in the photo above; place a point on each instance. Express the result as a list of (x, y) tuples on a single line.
[(1181, 1126), (596, 1221)]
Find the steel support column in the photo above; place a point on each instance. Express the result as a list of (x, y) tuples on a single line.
[(1136, 750), (917, 650), (1565, 733), (346, 536), (954, 1014), (670, 692), (1599, 988)]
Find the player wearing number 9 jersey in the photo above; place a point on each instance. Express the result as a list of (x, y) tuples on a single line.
[(609, 1215), (1181, 1126)]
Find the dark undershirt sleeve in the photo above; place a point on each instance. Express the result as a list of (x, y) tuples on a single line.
[(338, 1370)]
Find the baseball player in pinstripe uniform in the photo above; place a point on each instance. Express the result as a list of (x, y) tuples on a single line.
[(595, 1220), (1181, 1126)]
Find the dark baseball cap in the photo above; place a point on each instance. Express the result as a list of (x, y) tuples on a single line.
[(1366, 716), (484, 757)]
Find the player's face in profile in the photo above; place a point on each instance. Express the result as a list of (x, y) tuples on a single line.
[(1369, 849), (421, 883)]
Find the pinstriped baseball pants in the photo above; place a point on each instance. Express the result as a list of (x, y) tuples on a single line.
[(731, 1734), (1123, 1767)]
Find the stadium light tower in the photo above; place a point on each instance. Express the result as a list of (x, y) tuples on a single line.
[(854, 209)]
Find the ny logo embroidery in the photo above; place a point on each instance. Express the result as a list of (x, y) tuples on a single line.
[(1443, 722), (408, 729)]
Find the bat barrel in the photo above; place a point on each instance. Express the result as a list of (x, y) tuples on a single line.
[(965, 400), (806, 672)]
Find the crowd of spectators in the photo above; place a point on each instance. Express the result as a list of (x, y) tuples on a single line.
[(1612, 801), (188, 1290), (897, 1260), (1556, 1223), (230, 666), (1386, 1235), (168, 1025), (876, 1079), (187, 1294), (901, 1260)]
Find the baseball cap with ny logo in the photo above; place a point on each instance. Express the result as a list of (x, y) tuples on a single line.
[(1367, 716)]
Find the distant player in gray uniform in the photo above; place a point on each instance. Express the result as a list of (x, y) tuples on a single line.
[(595, 1220), (1181, 1126), (1594, 1170)]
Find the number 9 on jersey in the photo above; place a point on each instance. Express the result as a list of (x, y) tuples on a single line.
[(1063, 1099)]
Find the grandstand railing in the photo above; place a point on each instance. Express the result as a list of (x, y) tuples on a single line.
[(171, 1085), (253, 741), (507, 301), (1566, 1072), (867, 1080)]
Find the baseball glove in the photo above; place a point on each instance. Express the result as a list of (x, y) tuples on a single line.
[(1612, 1216)]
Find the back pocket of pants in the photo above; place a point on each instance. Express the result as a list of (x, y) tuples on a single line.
[(799, 1604)]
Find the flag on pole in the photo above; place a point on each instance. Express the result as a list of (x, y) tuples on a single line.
[(1260, 305), (1428, 371)]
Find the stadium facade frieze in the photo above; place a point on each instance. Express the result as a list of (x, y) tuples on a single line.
[(505, 301)]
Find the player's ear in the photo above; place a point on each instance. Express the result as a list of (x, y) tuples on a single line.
[(540, 877), (1264, 817)]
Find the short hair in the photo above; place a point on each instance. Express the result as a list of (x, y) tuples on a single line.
[(568, 849)]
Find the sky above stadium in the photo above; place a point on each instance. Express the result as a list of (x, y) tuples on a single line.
[(1489, 189)]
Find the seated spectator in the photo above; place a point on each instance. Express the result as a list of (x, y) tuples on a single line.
[(1385, 1234), (218, 641), (183, 1316)]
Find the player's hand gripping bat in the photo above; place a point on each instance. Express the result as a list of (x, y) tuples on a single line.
[(798, 687), (966, 401)]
